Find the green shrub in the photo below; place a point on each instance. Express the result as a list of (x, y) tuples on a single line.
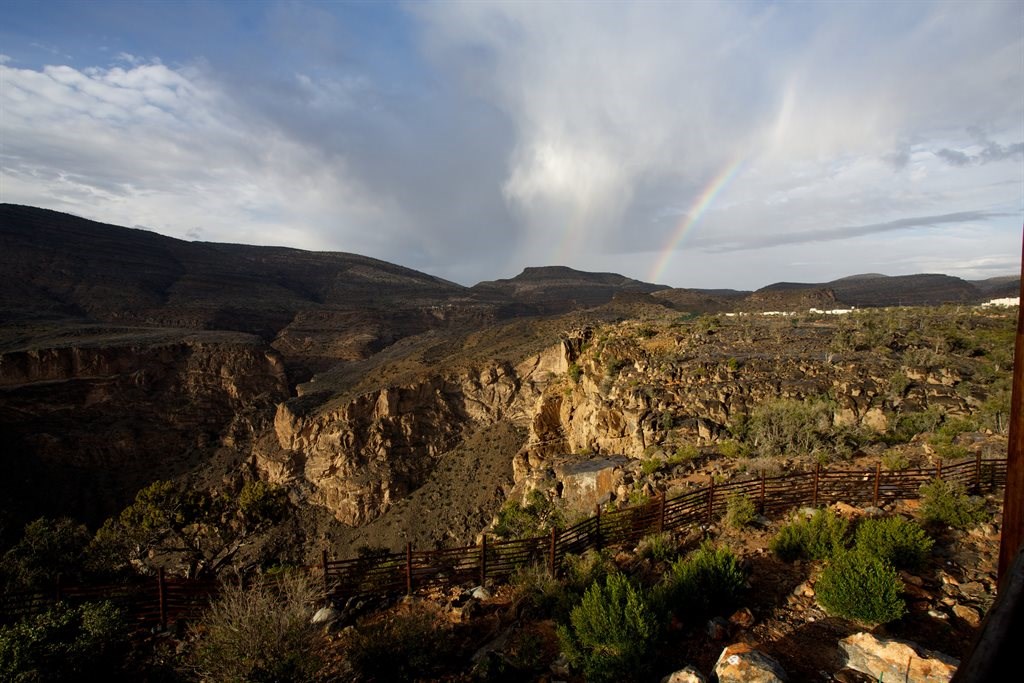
[(575, 373), (536, 516), (48, 548), (582, 571), (731, 448), (84, 642), (897, 540), (262, 633), (538, 593), (707, 580), (657, 547), (860, 586), (413, 643), (947, 503), (908, 425), (651, 466), (895, 460), (685, 453), (817, 538), (740, 511), (611, 632)]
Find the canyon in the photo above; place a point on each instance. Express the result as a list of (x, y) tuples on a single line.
[(397, 407)]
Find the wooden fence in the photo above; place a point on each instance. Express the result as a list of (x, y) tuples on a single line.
[(157, 602), (407, 571)]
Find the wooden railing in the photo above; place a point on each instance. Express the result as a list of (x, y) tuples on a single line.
[(412, 569), (159, 601)]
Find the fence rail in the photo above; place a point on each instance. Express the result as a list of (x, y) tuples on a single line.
[(160, 601)]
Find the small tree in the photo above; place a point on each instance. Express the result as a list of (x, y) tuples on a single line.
[(610, 632)]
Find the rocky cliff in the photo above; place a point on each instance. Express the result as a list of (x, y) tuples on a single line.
[(88, 423)]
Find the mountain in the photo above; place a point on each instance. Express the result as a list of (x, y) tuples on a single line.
[(873, 289), (553, 289)]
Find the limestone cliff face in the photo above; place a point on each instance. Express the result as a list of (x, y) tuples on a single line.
[(86, 426), (359, 456), (626, 398)]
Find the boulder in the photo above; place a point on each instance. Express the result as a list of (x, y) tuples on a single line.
[(741, 663), (968, 614), (743, 618), (325, 616), (687, 675), (896, 660)]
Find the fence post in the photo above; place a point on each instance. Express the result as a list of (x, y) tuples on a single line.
[(554, 544), (661, 513), (878, 476), (938, 470), (977, 472), (762, 493), (408, 567), (323, 563), (161, 597), (483, 559), (711, 499), (817, 472), (597, 528)]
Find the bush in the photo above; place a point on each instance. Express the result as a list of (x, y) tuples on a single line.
[(658, 547), (897, 540), (740, 511), (538, 593), (516, 520), (582, 571), (894, 460), (64, 643), (817, 538), (860, 586), (708, 580), (946, 503), (575, 373), (611, 632), (412, 643), (48, 548), (262, 633)]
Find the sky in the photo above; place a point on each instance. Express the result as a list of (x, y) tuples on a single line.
[(693, 144)]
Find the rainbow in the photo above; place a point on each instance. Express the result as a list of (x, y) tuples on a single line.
[(697, 209)]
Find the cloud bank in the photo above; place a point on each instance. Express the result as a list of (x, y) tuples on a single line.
[(472, 139)]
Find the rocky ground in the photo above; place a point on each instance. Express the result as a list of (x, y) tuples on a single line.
[(946, 601)]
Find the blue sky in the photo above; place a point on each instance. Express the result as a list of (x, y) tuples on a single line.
[(695, 144)]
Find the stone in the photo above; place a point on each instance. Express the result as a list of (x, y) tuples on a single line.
[(466, 611), (804, 590), (968, 614), (560, 667), (687, 675), (741, 663), (894, 660), (916, 592), (846, 510), (907, 577), (743, 618), (717, 629), (974, 589), (480, 593), (326, 616)]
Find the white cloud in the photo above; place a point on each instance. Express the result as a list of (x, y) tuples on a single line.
[(167, 148)]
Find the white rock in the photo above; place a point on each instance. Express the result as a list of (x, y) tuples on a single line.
[(896, 660)]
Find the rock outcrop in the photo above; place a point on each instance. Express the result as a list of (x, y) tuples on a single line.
[(896, 660), (88, 424), (741, 663)]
